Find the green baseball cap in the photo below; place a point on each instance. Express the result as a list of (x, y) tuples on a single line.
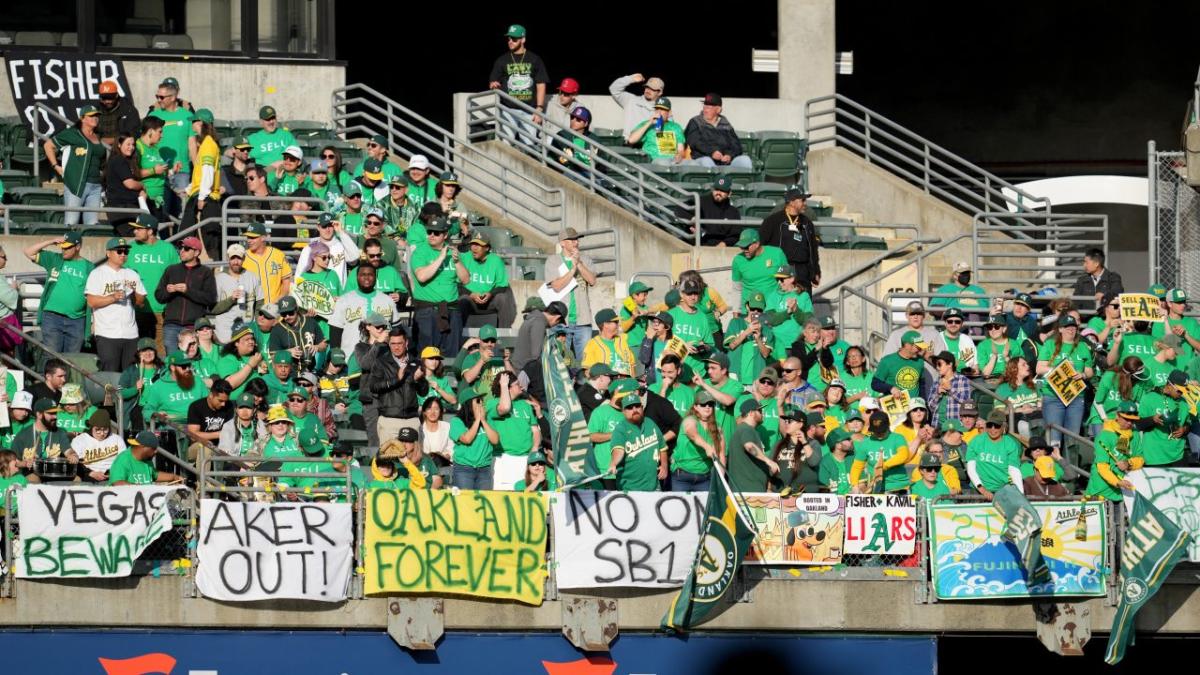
[(663, 103), (630, 400), (71, 239), (337, 356), (747, 237), (1177, 295), (1127, 409), (515, 31), (116, 243), (723, 184), (756, 301), (828, 322), (953, 425), (638, 287), (178, 358), (487, 332), (255, 230), (623, 386), (288, 304), (283, 357), (301, 392), (145, 220), (203, 115), (146, 343), (352, 189), (465, 394), (88, 110), (785, 272), (605, 315), (1024, 299), (266, 112), (912, 337), (1158, 290), (246, 400), (600, 370), (536, 457), (836, 436), (310, 442)]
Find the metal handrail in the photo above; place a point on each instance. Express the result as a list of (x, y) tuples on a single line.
[(422, 136), (838, 281), (6, 209), (1051, 238), (665, 194), (936, 165)]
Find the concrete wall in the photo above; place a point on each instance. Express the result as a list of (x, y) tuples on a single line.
[(807, 50), (232, 91)]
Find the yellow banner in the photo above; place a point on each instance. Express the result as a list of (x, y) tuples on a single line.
[(1139, 307), (1062, 381), (477, 543), (896, 407)]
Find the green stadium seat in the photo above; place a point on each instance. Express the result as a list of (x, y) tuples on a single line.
[(37, 196), (13, 178), (762, 190), (609, 137), (754, 207), (310, 129), (836, 236), (815, 211), (634, 155), (700, 176), (780, 153), (749, 141)]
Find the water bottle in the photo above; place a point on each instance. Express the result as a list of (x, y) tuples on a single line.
[(242, 302), (658, 124)]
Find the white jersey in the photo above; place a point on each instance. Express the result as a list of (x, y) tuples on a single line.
[(352, 308), (115, 321), (98, 455)]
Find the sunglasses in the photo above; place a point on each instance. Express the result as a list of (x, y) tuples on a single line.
[(993, 425), (1114, 307), (121, 251), (325, 225), (185, 366), (790, 370), (994, 327), (307, 385), (512, 39), (633, 407), (398, 187), (353, 196), (953, 322), (329, 155), (322, 257), (710, 404), (296, 400), (161, 97), (287, 314), (278, 422), (766, 381), (374, 221), (927, 468), (489, 342), (374, 255), (372, 144)]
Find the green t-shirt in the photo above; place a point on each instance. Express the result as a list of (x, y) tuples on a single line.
[(80, 158), (1111, 448), (478, 453), (787, 332), (681, 397), (691, 327), (515, 428), (988, 347), (150, 261), (688, 456), (745, 360), (877, 451), (993, 459), (230, 364), (727, 414), (164, 395), (267, 148), (1079, 354), (970, 298), (1190, 326), (70, 280), (746, 473), (642, 443), (388, 280), (1157, 373), (75, 424), (487, 275), (1108, 397), (604, 420), (177, 129), (130, 469), (637, 331), (768, 429), (939, 489), (662, 144), (1136, 344), (1021, 396), (1156, 444), (550, 485), (5, 483), (287, 447), (443, 287), (834, 474), (327, 278), (901, 372), (286, 184), (443, 382), (154, 184), (757, 274)]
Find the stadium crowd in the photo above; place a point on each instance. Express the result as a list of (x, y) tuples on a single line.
[(284, 348)]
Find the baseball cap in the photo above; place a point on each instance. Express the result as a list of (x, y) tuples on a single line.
[(1128, 410), (108, 87), (266, 112), (583, 114), (255, 230), (203, 115), (997, 417), (665, 318), (724, 184), (599, 370), (282, 356), (318, 166), (655, 83), (515, 31), (952, 313), (407, 435), (768, 373), (288, 304), (337, 356), (88, 110), (1170, 341), (623, 386), (418, 162), (1178, 378), (568, 86), (711, 99), (605, 315), (1066, 321), (487, 332), (145, 220), (749, 405), (719, 358), (828, 322), (145, 438), (375, 319), (536, 457), (116, 243), (269, 310), (243, 143), (914, 307), (795, 192), (204, 322), (747, 237), (301, 392), (178, 358), (71, 239), (968, 408), (663, 103), (431, 352), (815, 419), (294, 151), (785, 272), (235, 251), (953, 425), (1177, 295), (192, 243), (912, 337), (1023, 299), (917, 402), (438, 225), (630, 400), (246, 400), (373, 169), (639, 287), (962, 267), (756, 301), (930, 461), (1045, 466), (310, 442)]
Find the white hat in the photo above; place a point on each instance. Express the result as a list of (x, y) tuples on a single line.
[(962, 267), (418, 162), (235, 250), (294, 151), (22, 400), (868, 403)]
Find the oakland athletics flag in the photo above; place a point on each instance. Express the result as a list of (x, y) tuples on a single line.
[(726, 540), (1152, 546), (568, 428)]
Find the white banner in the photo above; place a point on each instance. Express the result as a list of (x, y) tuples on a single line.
[(1175, 492), (258, 551), (881, 524), (618, 539), (78, 531)]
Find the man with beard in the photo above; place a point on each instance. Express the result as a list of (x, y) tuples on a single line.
[(299, 334), (43, 439), (354, 305), (639, 452), (169, 397), (793, 231), (522, 75), (117, 114), (389, 279), (240, 359), (237, 293), (715, 206)]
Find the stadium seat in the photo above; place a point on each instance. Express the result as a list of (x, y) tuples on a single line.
[(129, 41), (762, 190), (36, 38), (310, 129), (609, 137), (175, 42), (634, 155), (815, 211), (69, 40), (749, 141), (7, 38), (754, 207), (700, 176), (13, 178), (836, 236), (780, 153)]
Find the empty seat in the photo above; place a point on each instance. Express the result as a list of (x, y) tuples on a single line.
[(7, 37), (634, 155), (175, 42), (753, 207), (36, 38), (13, 178), (311, 129), (780, 153), (749, 141), (701, 176), (129, 41), (69, 40), (836, 236), (609, 137)]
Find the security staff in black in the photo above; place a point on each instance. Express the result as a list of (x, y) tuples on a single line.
[(793, 231)]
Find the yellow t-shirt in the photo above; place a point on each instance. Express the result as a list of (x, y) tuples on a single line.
[(208, 154), (272, 269)]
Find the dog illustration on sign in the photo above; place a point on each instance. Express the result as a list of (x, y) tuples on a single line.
[(803, 537)]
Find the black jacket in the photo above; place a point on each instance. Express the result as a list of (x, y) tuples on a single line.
[(704, 139), (201, 294), (394, 396), (122, 119), (589, 399), (1110, 284), (801, 246), (662, 412), (712, 234)]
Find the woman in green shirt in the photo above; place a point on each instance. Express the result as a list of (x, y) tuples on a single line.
[(1107, 321), (1126, 382), (538, 476), (79, 165), (1016, 391), (996, 350), (856, 375), (1064, 346), (11, 477), (475, 443), (435, 374), (136, 378), (700, 442), (711, 304), (836, 405)]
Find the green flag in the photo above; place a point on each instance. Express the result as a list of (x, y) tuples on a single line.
[(1152, 546), (568, 427), (727, 536)]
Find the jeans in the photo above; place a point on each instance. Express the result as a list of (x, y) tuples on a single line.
[(171, 333), (1069, 417), (89, 198), (425, 323), (517, 128), (61, 334), (739, 162), (472, 477), (579, 336), (501, 303), (683, 481)]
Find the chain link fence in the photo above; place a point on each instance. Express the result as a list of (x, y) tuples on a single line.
[(1174, 223)]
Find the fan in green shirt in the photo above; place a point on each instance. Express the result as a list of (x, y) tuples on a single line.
[(267, 145), (436, 268), (836, 464), (1139, 344), (723, 388), (1117, 453), (1186, 327), (663, 141), (1057, 350), (994, 457), (134, 465), (601, 425), (66, 275), (171, 394), (538, 477), (671, 385), (475, 440), (150, 159), (514, 420), (749, 466), (790, 308), (696, 447), (748, 340), (150, 256), (177, 129), (1164, 443), (902, 370), (968, 297), (639, 451), (883, 453), (754, 268), (634, 314), (486, 270)]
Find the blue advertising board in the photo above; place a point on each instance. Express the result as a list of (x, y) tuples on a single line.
[(370, 653)]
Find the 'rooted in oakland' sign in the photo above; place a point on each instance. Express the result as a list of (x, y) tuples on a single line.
[(480, 543)]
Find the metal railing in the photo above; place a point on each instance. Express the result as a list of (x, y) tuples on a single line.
[(840, 121), (359, 110), (1059, 242), (6, 211), (652, 198)]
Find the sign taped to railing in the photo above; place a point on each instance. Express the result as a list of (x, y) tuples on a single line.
[(625, 539), (804, 529), (971, 562), (258, 551), (88, 531), (62, 81), (881, 524), (466, 542), (1140, 307)]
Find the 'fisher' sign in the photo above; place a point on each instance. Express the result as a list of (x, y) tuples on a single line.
[(473, 542), (64, 82), (88, 531), (618, 539), (257, 551), (881, 524)]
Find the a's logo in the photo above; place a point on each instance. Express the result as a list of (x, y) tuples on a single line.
[(1135, 590), (715, 562), (559, 411)]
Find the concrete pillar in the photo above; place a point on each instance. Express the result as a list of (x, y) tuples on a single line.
[(806, 49)]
